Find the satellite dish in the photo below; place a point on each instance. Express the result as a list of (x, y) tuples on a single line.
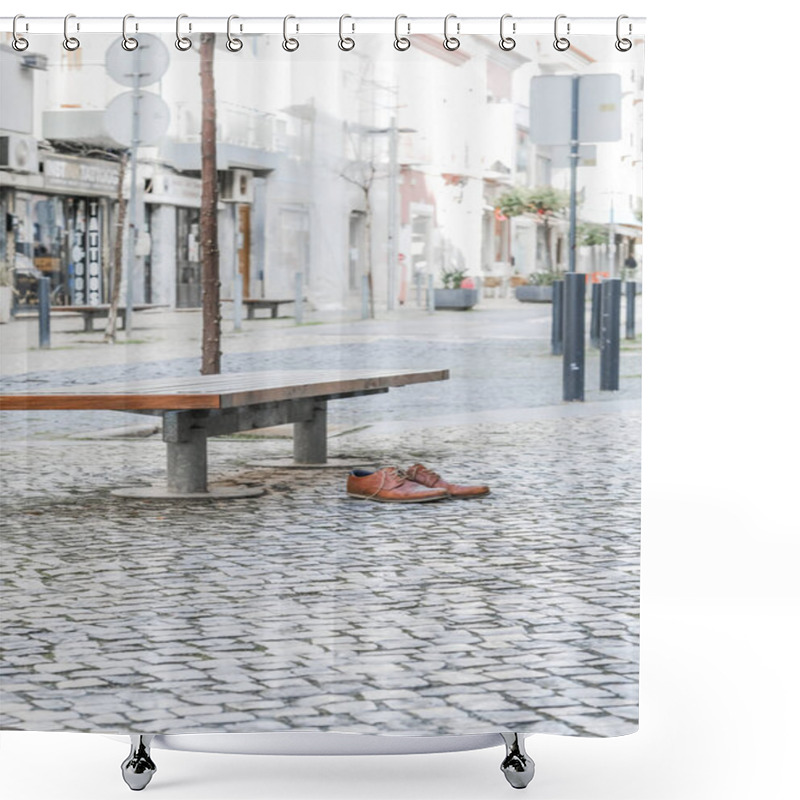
[(140, 67), (153, 117)]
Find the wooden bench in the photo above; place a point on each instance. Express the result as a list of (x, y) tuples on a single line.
[(194, 408), (252, 303), (90, 312)]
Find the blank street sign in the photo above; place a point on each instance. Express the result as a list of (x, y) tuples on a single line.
[(599, 101)]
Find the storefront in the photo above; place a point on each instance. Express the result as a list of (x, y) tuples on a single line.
[(172, 267), (58, 225)]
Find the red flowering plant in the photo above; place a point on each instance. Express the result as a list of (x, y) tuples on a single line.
[(545, 203)]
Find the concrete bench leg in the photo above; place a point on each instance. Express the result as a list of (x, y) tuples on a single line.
[(274, 310), (88, 323), (311, 436), (187, 463)]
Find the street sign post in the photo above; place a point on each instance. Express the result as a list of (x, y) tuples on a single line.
[(568, 110), (136, 68)]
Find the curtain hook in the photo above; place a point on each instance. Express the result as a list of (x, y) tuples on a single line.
[(345, 42), (506, 42), (290, 45), (183, 43), (401, 42), (451, 42), (561, 43), (623, 45), (19, 43), (233, 44), (129, 43), (70, 42)]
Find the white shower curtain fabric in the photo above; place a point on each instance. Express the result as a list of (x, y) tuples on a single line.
[(401, 207)]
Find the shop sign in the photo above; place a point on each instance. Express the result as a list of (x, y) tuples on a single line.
[(80, 175), (177, 190)]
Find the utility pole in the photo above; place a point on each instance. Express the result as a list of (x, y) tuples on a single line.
[(133, 205), (392, 265)]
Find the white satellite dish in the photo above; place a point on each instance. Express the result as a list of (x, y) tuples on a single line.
[(153, 117), (140, 67)]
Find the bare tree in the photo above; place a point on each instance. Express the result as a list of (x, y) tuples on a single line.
[(212, 329), (364, 176), (116, 267)]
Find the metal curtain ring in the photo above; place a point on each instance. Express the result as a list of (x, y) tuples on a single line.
[(70, 42), (451, 42), (19, 43), (506, 42), (561, 43), (401, 42), (183, 43), (233, 44), (623, 45), (289, 44), (128, 42), (345, 42)]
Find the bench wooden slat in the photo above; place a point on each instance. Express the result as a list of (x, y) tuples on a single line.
[(226, 390)]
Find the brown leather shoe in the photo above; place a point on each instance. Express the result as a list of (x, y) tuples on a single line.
[(427, 477), (390, 485)]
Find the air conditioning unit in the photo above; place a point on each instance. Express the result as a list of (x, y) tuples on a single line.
[(236, 186), (19, 152)]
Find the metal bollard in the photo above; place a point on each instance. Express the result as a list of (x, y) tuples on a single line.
[(609, 334), (431, 303), (557, 326), (574, 334), (630, 310), (594, 325), (298, 298), (237, 302), (418, 288), (44, 313)]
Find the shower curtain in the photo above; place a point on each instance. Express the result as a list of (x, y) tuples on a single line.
[(410, 201)]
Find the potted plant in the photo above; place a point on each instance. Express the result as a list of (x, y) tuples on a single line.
[(538, 289), (453, 294)]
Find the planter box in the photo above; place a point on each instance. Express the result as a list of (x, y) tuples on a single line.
[(534, 294), (459, 299)]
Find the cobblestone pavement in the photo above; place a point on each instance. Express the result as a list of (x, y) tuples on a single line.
[(305, 609)]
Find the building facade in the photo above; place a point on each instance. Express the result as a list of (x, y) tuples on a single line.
[(326, 170)]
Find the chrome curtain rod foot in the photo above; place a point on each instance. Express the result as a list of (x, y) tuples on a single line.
[(138, 768), (517, 766)]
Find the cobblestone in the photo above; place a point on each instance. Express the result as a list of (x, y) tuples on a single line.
[(302, 608)]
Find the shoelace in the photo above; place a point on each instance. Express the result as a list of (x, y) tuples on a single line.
[(397, 475), (427, 474)]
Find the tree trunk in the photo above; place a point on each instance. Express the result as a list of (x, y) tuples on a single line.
[(212, 332), (116, 268), (368, 235)]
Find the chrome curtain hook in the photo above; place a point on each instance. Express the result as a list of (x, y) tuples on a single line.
[(70, 42), (623, 45), (451, 42), (183, 43), (233, 44), (19, 43), (561, 43), (401, 42), (128, 42), (289, 44), (506, 42), (345, 42)]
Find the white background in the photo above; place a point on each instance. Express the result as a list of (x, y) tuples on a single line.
[(719, 699)]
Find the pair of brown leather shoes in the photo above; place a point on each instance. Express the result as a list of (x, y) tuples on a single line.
[(418, 484)]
